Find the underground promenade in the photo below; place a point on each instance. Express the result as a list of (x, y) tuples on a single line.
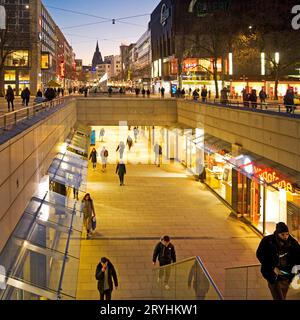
[(156, 201)]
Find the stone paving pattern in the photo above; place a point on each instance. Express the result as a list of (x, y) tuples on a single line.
[(154, 202)]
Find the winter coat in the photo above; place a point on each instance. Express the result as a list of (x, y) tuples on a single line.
[(288, 99), (165, 255), (93, 156), (121, 169), (10, 96), (87, 208), (268, 255), (111, 275)]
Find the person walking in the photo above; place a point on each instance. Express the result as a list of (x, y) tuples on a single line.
[(121, 171), (106, 274), (26, 96), (164, 251), (10, 97), (104, 156), (198, 281), (262, 96), (88, 210), (101, 134), (288, 101), (158, 154), (162, 92), (121, 149), (39, 93), (202, 173), (135, 132), (278, 253), (253, 99), (204, 94), (93, 157), (148, 93), (129, 142)]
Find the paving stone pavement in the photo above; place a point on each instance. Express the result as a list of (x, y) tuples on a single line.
[(157, 201)]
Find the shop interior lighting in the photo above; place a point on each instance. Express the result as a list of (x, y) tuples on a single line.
[(263, 63), (277, 57)]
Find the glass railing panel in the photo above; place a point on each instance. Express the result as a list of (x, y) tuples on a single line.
[(247, 283), (186, 280)]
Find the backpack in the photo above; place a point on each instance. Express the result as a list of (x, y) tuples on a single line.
[(105, 153)]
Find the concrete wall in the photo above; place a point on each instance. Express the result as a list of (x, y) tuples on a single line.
[(24, 160), (274, 137), (136, 111)]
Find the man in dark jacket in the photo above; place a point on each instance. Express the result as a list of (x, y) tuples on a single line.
[(278, 254), (106, 274), (121, 171), (165, 253), (10, 97)]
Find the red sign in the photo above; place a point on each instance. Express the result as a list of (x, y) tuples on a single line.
[(271, 176), (174, 66), (190, 65)]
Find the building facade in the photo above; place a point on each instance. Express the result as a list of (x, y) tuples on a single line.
[(38, 51), (179, 30)]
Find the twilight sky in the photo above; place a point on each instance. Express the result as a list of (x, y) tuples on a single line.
[(110, 36)]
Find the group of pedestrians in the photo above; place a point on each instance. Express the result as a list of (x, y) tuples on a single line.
[(106, 274), (103, 154)]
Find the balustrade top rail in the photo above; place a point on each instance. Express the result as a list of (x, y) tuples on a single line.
[(10, 119), (274, 107)]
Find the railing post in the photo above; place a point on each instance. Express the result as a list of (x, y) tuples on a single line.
[(15, 116), (27, 113), (4, 121)]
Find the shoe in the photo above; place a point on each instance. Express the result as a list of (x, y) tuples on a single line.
[(120, 184), (167, 287)]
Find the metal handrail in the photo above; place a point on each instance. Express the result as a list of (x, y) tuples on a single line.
[(12, 118), (209, 278), (241, 267)]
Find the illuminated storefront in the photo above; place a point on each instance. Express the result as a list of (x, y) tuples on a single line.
[(260, 191)]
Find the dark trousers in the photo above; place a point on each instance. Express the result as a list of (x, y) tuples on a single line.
[(106, 294), (10, 102), (94, 165), (164, 272), (121, 177), (279, 289)]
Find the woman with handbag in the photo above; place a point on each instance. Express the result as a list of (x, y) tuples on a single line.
[(87, 207)]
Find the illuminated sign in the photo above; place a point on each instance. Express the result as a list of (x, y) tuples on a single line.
[(270, 176), (174, 66), (164, 14)]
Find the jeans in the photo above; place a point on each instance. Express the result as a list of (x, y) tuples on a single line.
[(10, 102), (106, 294), (164, 272), (121, 177), (279, 289), (94, 165)]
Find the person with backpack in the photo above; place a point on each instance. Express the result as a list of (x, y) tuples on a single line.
[(104, 156), (165, 253)]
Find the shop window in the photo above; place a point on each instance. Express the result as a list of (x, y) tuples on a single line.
[(24, 76), (10, 75), (18, 58), (45, 61)]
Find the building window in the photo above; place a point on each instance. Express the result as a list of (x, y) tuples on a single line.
[(19, 58), (24, 75), (45, 61), (10, 75)]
